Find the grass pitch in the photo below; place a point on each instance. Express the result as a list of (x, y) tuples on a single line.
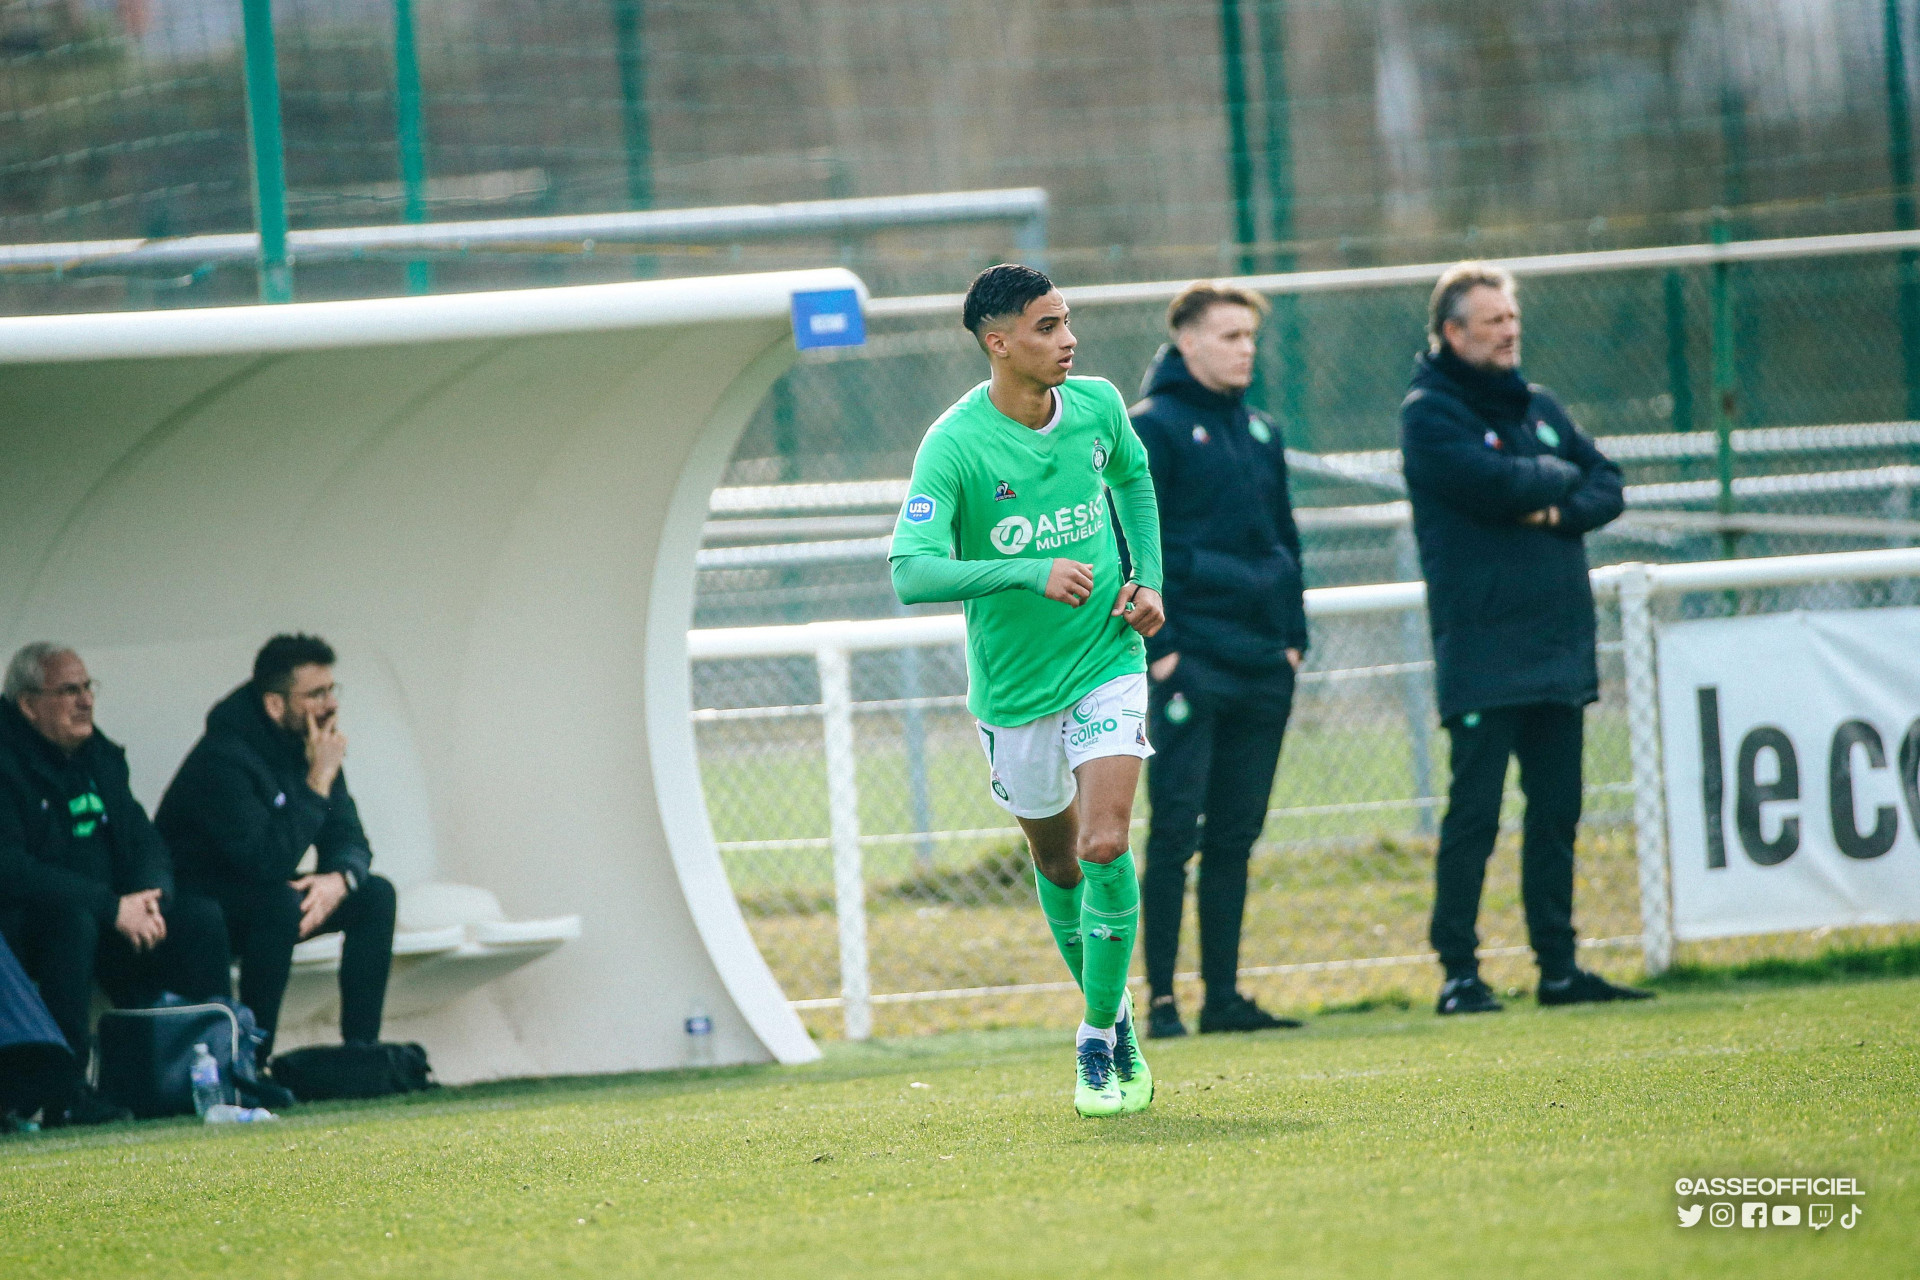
[(1388, 1143)]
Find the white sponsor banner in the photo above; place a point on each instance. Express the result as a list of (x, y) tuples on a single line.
[(1792, 743)]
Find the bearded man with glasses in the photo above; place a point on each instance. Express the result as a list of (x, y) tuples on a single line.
[(86, 886), (262, 786)]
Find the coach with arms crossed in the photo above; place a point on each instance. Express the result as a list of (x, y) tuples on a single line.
[(261, 786), (1504, 488), (1222, 668)]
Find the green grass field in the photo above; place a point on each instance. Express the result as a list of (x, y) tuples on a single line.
[(1384, 1143)]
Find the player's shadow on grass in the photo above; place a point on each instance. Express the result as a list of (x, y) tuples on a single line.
[(1159, 1128)]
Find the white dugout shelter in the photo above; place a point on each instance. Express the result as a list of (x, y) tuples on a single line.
[(489, 504)]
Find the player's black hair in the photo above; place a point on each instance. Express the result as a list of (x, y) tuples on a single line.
[(273, 665), (1000, 291)]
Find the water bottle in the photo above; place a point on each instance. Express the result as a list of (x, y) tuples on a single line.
[(699, 1036), (208, 1092)]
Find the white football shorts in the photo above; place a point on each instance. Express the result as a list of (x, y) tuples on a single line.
[(1033, 763)]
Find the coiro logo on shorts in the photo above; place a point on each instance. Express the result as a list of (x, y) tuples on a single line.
[(1091, 731), (1083, 712), (1010, 536), (919, 509)]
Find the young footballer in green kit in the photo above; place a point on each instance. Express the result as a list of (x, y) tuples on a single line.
[(1007, 511)]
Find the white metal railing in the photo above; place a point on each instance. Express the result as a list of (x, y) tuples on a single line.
[(756, 526), (1425, 273), (1024, 206), (831, 644)]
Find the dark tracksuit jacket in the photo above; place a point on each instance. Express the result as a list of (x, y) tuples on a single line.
[(48, 800), (1509, 604), (1511, 612), (1234, 597), (1228, 542), (240, 809)]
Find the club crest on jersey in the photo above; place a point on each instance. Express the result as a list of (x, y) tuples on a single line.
[(1099, 455), (1200, 435), (1003, 491), (919, 509)]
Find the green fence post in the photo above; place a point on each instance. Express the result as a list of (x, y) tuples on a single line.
[(635, 125), (1271, 23), (269, 151), (1724, 394), (1240, 158), (1679, 375), (1900, 172), (413, 143)]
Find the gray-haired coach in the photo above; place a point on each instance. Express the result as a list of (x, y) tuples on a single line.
[(1504, 487)]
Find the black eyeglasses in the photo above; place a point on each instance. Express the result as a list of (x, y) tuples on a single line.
[(72, 690)]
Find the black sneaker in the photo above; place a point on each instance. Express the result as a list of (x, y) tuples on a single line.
[(1467, 995), (1163, 1020), (1240, 1014), (85, 1107), (1581, 987)]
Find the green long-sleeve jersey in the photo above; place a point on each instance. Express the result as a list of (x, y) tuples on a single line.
[(991, 504)]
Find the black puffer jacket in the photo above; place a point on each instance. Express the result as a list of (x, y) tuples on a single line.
[(43, 858), (240, 807), (1510, 604), (1228, 541)]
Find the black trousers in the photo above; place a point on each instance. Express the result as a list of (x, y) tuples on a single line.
[(1546, 738), (66, 949), (263, 920), (1208, 782)]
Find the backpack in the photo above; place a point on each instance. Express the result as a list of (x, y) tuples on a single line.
[(146, 1055), (324, 1072)]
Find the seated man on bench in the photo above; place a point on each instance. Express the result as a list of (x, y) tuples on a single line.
[(260, 787), (86, 886)]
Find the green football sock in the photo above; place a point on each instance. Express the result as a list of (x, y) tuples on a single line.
[(1109, 916), (1062, 910)]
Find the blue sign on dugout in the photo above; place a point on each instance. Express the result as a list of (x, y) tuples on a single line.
[(828, 318)]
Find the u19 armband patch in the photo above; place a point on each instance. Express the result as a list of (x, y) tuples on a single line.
[(919, 509)]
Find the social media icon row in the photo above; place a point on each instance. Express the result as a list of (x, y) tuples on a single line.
[(1758, 1213)]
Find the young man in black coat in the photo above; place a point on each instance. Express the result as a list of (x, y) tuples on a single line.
[(1221, 669), (86, 886), (259, 788), (1504, 488)]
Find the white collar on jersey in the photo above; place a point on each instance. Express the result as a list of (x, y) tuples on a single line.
[(1059, 411)]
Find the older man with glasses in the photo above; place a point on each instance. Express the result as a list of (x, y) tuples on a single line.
[(86, 885), (261, 787)]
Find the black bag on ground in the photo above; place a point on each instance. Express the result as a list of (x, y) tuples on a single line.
[(146, 1055), (324, 1072)]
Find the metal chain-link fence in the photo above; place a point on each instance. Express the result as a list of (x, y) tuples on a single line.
[(1799, 363), (1340, 884)]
